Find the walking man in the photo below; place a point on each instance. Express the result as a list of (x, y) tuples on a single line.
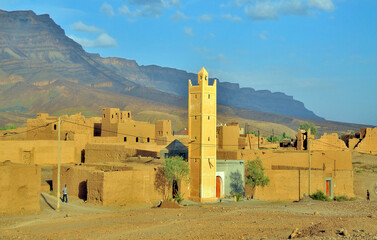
[(65, 193), (368, 196)]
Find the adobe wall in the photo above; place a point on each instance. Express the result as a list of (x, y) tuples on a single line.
[(163, 128), (328, 142), (37, 152), (288, 172), (75, 177), (227, 136), (95, 152), (142, 184), (353, 142), (13, 134), (369, 143), (20, 189), (45, 127), (274, 159), (292, 184)]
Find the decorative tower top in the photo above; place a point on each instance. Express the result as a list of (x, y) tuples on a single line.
[(203, 76)]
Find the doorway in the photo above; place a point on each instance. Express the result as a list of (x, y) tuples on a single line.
[(328, 187), (218, 186), (175, 188)]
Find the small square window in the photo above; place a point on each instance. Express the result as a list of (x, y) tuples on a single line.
[(125, 139)]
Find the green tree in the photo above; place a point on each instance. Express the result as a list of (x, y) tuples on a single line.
[(305, 126), (175, 169), (285, 136), (255, 174)]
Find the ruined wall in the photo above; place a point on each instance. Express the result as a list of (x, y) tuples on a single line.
[(20, 189), (328, 142), (45, 127), (95, 152), (368, 144), (37, 152)]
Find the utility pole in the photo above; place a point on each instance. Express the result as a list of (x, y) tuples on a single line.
[(58, 185), (258, 139), (310, 160)]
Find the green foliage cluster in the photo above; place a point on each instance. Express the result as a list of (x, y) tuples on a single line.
[(319, 195), (179, 197), (238, 196), (305, 126), (255, 174), (278, 139), (7, 127), (343, 198), (176, 169)]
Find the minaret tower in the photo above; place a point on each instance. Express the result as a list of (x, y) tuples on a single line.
[(202, 135)]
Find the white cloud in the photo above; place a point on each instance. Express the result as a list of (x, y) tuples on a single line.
[(205, 18), (188, 31), (103, 40), (218, 58), (82, 27), (178, 16), (262, 10), (151, 8), (326, 5), (272, 9), (124, 10), (231, 18), (107, 9), (263, 35)]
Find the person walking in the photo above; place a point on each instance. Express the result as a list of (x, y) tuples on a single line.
[(65, 194), (368, 196)]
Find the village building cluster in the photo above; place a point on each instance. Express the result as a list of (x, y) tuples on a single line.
[(113, 159)]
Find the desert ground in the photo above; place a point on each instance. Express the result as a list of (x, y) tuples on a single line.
[(246, 219)]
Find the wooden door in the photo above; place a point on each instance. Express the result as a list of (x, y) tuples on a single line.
[(218, 187)]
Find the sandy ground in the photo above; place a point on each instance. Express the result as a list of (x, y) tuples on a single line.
[(249, 219)]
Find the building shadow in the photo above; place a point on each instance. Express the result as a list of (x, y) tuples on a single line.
[(236, 183), (48, 204), (160, 183)]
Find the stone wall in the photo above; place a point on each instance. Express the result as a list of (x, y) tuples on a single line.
[(20, 189)]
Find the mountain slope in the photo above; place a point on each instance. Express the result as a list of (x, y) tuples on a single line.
[(35, 50)]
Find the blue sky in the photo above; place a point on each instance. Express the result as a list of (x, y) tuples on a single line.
[(321, 52)]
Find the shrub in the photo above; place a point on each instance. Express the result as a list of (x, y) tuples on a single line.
[(8, 127), (319, 195), (179, 198), (238, 196), (343, 198)]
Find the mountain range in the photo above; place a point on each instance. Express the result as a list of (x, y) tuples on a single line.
[(43, 70)]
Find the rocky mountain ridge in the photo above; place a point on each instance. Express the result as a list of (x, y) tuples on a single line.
[(34, 49)]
